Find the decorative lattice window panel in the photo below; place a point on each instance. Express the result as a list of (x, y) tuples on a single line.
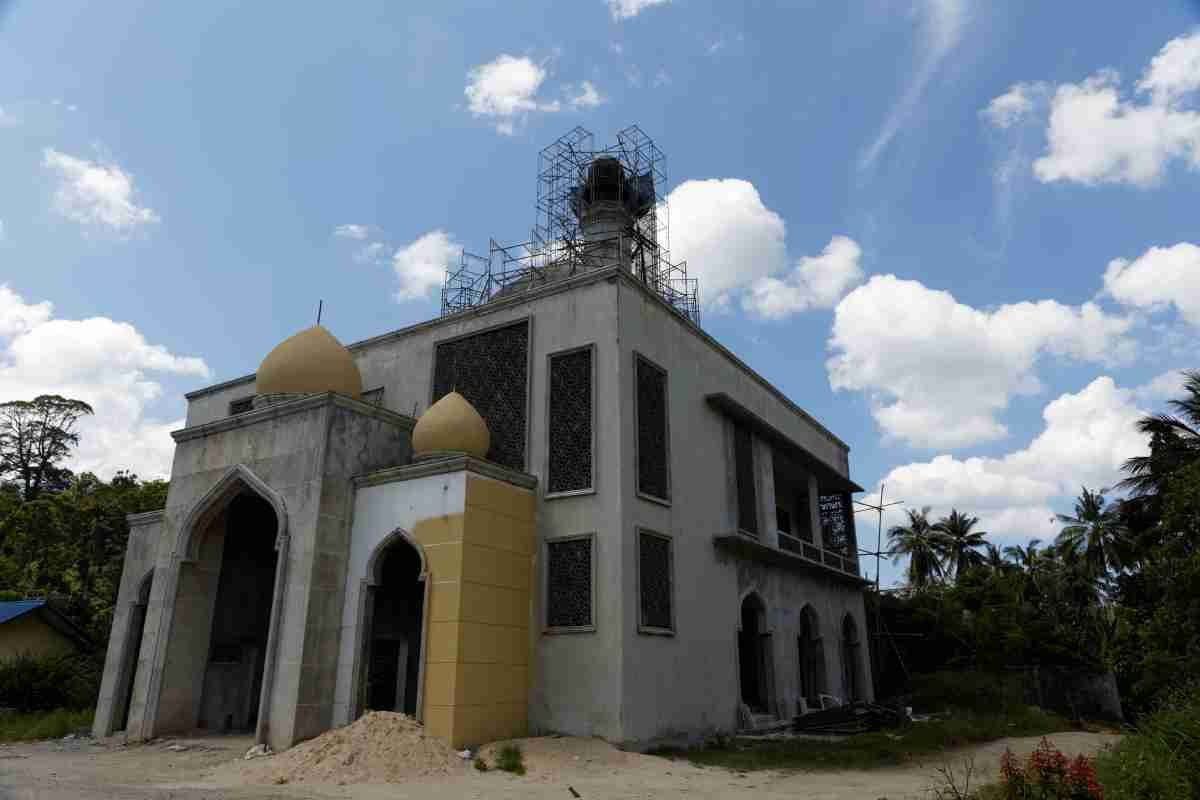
[(569, 443), (652, 450), (569, 583), (491, 370), (241, 405), (654, 581), (837, 524)]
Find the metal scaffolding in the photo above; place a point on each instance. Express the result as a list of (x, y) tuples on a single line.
[(559, 247)]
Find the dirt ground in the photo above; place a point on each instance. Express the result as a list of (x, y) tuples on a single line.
[(212, 768)]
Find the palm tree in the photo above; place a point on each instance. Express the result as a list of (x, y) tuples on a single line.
[(1096, 534), (963, 544), (1174, 442), (923, 546), (995, 561), (1026, 557)]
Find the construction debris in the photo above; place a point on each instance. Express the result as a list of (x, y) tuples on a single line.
[(848, 720)]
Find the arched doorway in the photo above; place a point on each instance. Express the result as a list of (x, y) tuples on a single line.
[(811, 658), (133, 646), (241, 616), (851, 683), (395, 615), (754, 655)]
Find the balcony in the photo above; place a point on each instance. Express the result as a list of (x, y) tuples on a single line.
[(792, 553)]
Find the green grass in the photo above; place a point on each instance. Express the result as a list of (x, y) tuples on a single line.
[(878, 749), (511, 759), (1157, 761), (24, 727)]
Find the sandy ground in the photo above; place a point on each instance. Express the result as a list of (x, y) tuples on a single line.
[(211, 768)]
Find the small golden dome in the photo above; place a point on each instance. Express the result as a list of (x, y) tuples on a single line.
[(451, 425), (311, 361)]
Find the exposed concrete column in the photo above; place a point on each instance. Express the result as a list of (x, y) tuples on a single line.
[(764, 466), (814, 509)]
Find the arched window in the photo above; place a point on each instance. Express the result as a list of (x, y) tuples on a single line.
[(811, 658), (754, 655), (393, 625)]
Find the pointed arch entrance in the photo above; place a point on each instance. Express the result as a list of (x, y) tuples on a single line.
[(391, 661), (851, 660), (133, 645), (811, 659), (221, 613), (754, 655)]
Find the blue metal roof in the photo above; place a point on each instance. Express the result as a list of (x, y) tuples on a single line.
[(14, 608)]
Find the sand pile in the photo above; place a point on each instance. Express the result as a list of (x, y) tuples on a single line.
[(379, 747)]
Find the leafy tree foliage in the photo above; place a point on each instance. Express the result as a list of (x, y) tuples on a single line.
[(35, 437)]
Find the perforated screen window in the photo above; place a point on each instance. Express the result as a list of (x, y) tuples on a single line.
[(653, 474), (491, 370), (654, 576), (569, 583), (570, 427)]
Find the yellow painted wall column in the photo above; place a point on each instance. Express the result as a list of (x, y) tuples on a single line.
[(476, 686)]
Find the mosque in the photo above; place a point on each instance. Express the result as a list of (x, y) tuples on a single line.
[(560, 506)]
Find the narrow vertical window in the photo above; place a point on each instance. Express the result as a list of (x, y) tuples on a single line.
[(743, 465), (569, 584), (655, 583), (569, 446), (653, 474), (803, 520)]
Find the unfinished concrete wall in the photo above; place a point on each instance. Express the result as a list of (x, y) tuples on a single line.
[(121, 665)]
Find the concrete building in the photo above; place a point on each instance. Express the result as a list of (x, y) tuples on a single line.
[(604, 523)]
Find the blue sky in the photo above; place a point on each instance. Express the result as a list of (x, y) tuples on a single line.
[(961, 234)]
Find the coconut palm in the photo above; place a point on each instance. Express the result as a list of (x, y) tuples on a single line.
[(1096, 534), (921, 544), (994, 560), (1174, 441), (1026, 557), (962, 543)]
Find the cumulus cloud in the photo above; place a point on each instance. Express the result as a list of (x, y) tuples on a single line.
[(95, 194), (585, 96), (1158, 279), (105, 363), (816, 282), (938, 371), (942, 23), (1095, 135), (505, 91), (626, 9), (727, 235), (1085, 438), (421, 265), (1164, 386), (1014, 105)]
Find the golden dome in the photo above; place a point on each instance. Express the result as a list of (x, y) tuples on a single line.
[(311, 361), (451, 425)]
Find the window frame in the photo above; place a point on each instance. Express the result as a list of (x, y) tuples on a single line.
[(377, 400), (248, 399), (637, 471), (544, 615), (547, 494), (653, 630), (529, 362)]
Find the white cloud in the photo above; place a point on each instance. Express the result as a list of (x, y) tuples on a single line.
[(585, 96), (96, 194), (373, 253), (421, 265), (1085, 438), (505, 91), (351, 231), (942, 23), (1159, 278), (1165, 386), (816, 282), (626, 9), (938, 371), (728, 237), (1094, 135), (105, 363), (1013, 105)]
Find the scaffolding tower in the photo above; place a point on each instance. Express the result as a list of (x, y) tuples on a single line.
[(573, 176)]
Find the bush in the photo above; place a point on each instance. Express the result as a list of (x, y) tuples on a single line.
[(1158, 760), (984, 692), (43, 683), (1048, 775), (511, 759)]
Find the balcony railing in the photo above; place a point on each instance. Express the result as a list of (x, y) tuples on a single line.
[(810, 552)]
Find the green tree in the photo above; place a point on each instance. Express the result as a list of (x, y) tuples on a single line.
[(963, 544), (922, 545), (36, 436), (1174, 442), (1096, 533)]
